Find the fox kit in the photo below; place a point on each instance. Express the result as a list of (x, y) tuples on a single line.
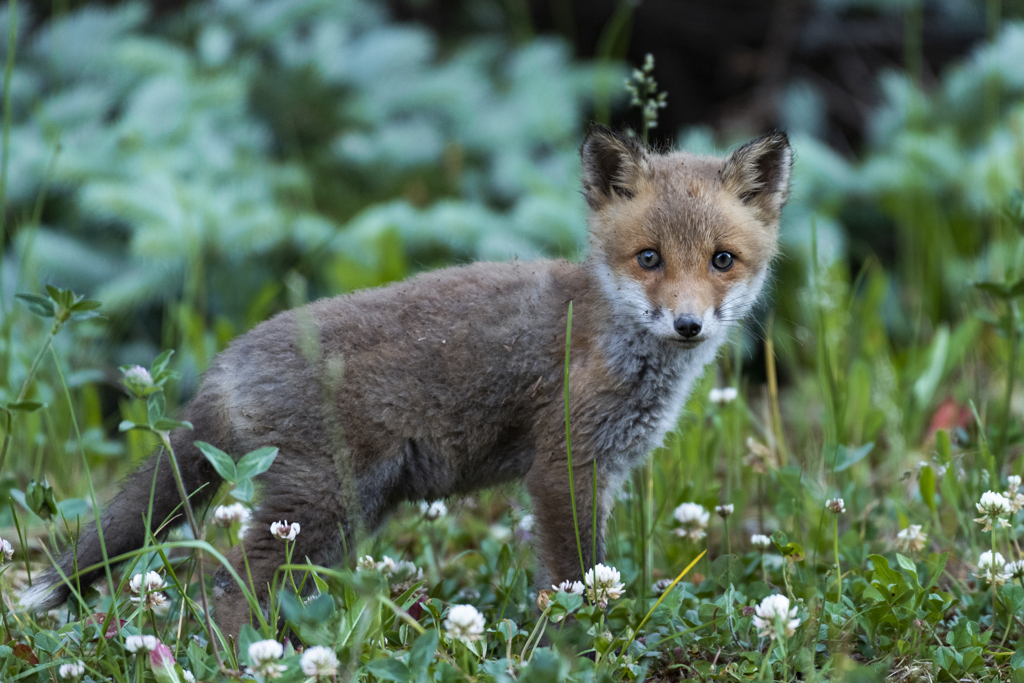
[(453, 380)]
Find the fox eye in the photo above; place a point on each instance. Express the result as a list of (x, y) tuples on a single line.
[(649, 259), (723, 260)]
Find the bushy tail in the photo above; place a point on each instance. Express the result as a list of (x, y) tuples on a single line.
[(124, 520)]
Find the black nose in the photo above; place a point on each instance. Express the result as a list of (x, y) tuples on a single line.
[(688, 325)]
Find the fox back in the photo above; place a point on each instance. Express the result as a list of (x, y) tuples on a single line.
[(454, 380)]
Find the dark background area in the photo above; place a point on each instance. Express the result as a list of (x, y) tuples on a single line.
[(727, 63)]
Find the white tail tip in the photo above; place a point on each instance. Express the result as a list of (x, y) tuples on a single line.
[(40, 597)]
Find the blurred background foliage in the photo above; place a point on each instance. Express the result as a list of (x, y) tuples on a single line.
[(198, 167)]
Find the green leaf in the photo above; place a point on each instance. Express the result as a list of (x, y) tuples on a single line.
[(156, 404), (166, 424), (565, 603), (243, 490), (127, 425), (936, 571), (928, 382), (26, 406), (421, 654), (56, 294), (160, 363), (1017, 659), (907, 564), (1013, 596), (846, 458), (389, 670), (40, 500), (946, 659), (37, 304), (926, 485), (1014, 209), (872, 593), (86, 305), (727, 570), (996, 289), (220, 460), (943, 447), (256, 462)]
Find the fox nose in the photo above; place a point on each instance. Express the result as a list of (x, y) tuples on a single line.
[(688, 325)]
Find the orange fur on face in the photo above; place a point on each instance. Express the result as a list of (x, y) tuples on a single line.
[(688, 208)]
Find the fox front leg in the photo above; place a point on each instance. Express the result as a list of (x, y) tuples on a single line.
[(560, 556)]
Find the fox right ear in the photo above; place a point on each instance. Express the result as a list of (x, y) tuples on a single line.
[(758, 173), (614, 166)]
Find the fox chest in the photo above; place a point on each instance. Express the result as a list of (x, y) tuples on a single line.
[(646, 404)]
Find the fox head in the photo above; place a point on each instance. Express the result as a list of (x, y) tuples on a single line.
[(682, 243)]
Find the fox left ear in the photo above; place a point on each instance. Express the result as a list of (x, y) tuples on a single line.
[(615, 166), (758, 173)]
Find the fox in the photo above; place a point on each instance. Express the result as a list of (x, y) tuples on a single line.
[(454, 380)]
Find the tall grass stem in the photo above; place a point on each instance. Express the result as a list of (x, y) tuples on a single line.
[(568, 451), (187, 505)]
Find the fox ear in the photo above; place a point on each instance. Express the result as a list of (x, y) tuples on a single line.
[(758, 173), (614, 166)]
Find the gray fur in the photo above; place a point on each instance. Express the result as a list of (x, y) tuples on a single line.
[(453, 381)]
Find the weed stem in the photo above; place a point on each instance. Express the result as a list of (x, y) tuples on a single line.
[(187, 505)]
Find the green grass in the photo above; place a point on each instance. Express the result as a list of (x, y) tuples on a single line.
[(866, 607)]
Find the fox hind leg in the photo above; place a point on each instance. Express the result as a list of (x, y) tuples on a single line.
[(297, 491)]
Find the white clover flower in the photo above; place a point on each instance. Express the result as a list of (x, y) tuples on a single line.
[(911, 538), (140, 644), (771, 609), (137, 380), (6, 550), (1012, 483), (395, 572), (993, 507), (992, 568), (661, 585), (319, 661), (285, 531), (693, 519), (527, 522), (724, 511), (1016, 501), (433, 511), (72, 670), (604, 582), (569, 587), (835, 505), (723, 396), (386, 566), (189, 676), (147, 590), (264, 655), (464, 623), (152, 581), (1015, 570), (226, 515), (405, 570), (760, 542)]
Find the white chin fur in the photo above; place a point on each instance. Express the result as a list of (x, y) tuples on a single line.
[(40, 598)]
